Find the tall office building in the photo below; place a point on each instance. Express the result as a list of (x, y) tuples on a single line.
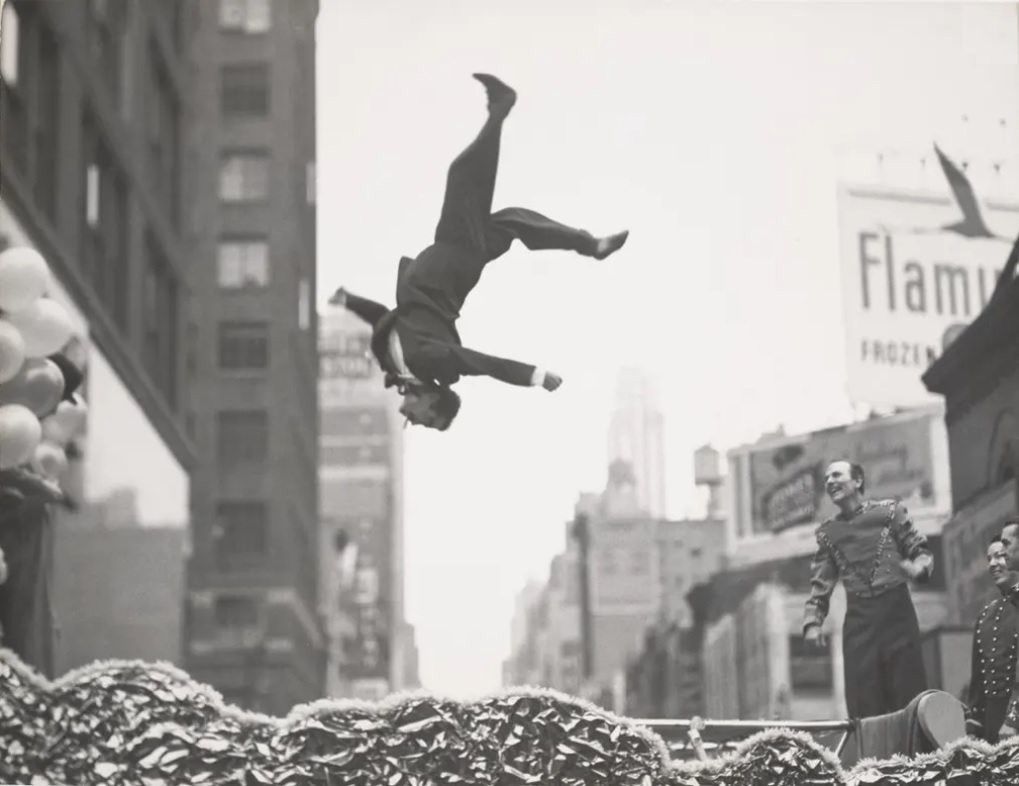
[(254, 632), (636, 437), (92, 101), (371, 648)]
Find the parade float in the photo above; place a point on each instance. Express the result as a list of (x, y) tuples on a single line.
[(125, 723), (121, 723)]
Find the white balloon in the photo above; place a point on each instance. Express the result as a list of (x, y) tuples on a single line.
[(24, 277), (12, 351), (45, 326), (20, 433), (67, 422), (49, 460)]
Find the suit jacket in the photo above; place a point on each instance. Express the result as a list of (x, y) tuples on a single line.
[(865, 553), (430, 291)]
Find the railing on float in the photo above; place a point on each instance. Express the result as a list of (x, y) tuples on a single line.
[(700, 736)]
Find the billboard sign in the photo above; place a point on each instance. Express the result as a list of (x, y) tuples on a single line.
[(346, 356), (365, 646), (913, 275), (787, 479), (624, 566), (347, 369)]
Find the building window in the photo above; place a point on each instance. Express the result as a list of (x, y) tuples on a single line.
[(304, 304), (355, 422), (164, 121), (239, 619), (607, 561), (243, 263), (47, 122), (244, 90), (161, 321), (244, 177), (14, 128), (310, 183), (243, 346), (10, 53), (106, 31), (103, 257), (30, 100), (245, 16), (354, 455), (241, 533), (242, 437)]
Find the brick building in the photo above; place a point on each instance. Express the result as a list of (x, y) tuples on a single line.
[(254, 631)]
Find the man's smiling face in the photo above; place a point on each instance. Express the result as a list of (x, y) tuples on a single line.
[(839, 483)]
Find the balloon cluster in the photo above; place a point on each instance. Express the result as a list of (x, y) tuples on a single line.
[(40, 412)]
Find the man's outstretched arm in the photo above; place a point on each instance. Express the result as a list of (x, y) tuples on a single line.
[(368, 310), (469, 362)]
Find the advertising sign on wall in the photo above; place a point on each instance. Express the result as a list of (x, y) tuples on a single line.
[(787, 480), (965, 541), (366, 644), (915, 268), (347, 369), (624, 566)]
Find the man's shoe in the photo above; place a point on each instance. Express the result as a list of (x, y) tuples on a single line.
[(606, 246), (501, 97)]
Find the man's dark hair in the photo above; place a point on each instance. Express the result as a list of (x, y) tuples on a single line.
[(856, 473), (992, 541), (447, 406)]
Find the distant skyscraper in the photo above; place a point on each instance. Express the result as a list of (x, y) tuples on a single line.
[(636, 437)]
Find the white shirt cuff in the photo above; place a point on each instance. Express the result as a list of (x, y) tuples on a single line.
[(538, 377)]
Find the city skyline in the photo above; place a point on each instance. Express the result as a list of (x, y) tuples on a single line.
[(668, 141)]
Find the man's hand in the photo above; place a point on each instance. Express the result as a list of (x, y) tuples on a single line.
[(339, 298), (551, 381), (911, 569), (3, 567), (1006, 731), (29, 485), (814, 636)]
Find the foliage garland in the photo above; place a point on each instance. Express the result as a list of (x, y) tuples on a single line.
[(130, 722)]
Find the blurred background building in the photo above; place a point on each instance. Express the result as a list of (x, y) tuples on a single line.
[(249, 151), (371, 646)]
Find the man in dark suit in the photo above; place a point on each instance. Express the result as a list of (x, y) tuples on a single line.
[(417, 344)]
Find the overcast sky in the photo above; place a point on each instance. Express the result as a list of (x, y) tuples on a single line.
[(716, 133)]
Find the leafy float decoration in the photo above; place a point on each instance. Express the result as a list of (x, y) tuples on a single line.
[(123, 722)]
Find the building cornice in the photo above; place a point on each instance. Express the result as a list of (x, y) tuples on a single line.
[(982, 355)]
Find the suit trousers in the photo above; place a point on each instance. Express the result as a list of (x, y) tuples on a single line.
[(467, 220), (884, 667)]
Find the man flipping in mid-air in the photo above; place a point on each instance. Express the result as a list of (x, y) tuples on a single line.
[(417, 344)]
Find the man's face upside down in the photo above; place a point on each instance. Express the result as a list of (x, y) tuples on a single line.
[(420, 407)]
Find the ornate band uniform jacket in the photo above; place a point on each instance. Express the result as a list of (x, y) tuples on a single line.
[(864, 552), (994, 682), (430, 292)]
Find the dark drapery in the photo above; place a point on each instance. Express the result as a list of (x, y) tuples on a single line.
[(27, 623)]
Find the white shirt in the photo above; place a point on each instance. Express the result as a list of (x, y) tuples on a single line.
[(396, 355)]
